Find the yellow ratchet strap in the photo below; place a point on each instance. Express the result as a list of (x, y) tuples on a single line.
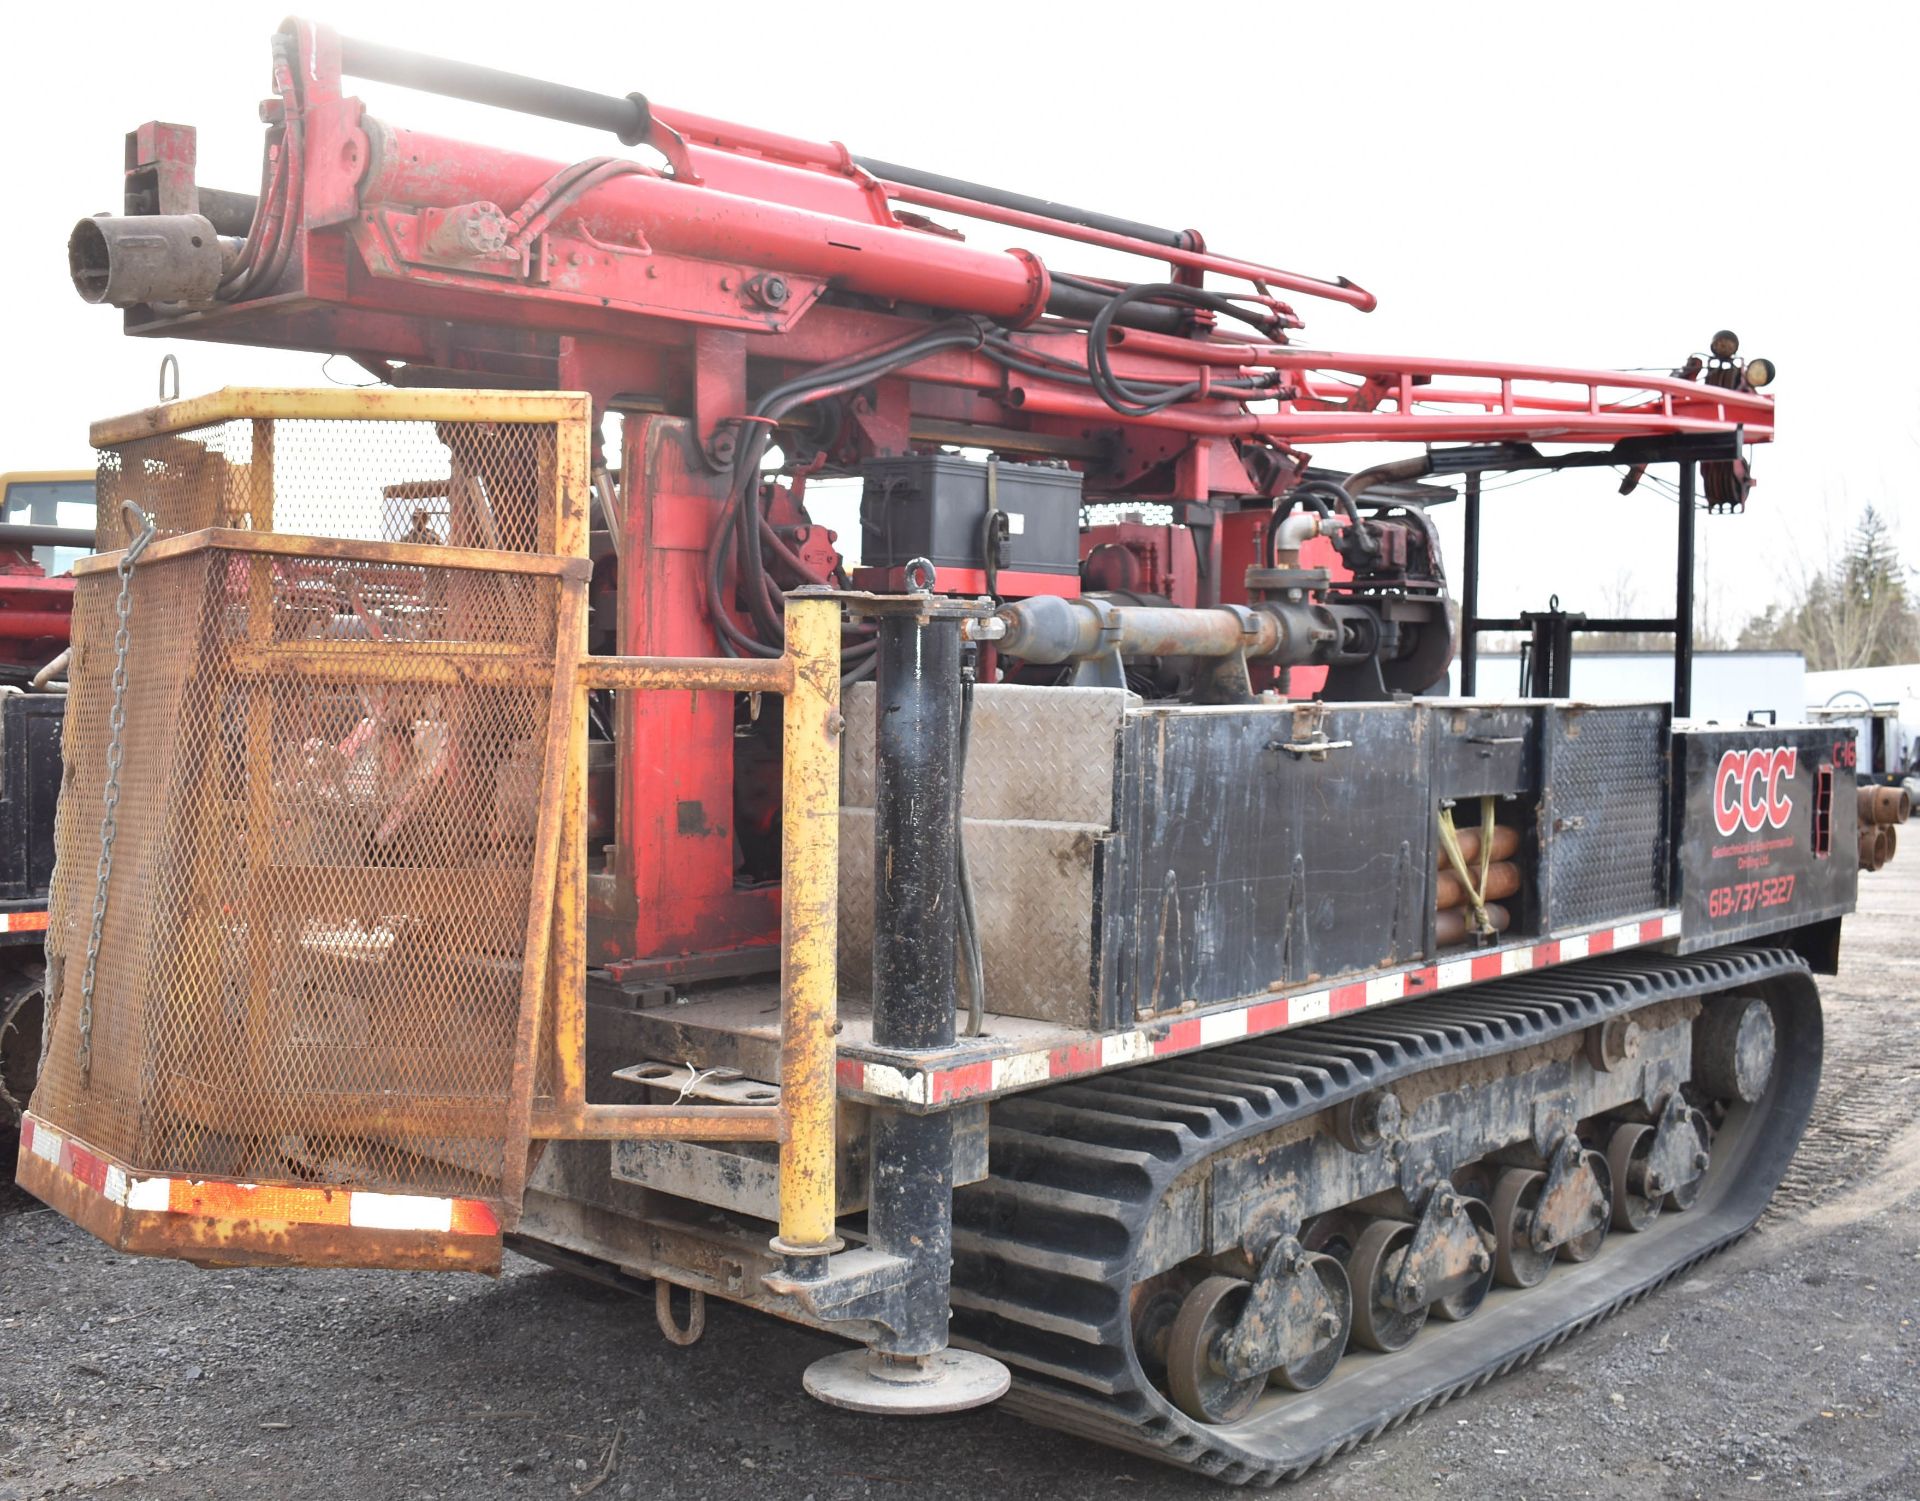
[(1476, 888)]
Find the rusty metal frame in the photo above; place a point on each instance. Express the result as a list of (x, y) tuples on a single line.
[(370, 403), (553, 998), (562, 536), (570, 413), (340, 549), (807, 675)]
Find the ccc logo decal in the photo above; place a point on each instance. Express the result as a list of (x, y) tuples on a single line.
[(1750, 791)]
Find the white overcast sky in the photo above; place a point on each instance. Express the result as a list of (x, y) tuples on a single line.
[(1569, 184)]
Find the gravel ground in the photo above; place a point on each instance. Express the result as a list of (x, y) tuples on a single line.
[(1785, 1365)]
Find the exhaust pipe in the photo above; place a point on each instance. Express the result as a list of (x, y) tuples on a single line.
[(177, 258)]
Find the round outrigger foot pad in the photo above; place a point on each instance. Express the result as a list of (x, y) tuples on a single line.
[(867, 1381)]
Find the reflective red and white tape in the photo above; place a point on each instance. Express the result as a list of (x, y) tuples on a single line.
[(1255, 1018), (276, 1203), (23, 922)]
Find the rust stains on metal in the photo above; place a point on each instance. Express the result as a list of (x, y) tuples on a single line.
[(809, 933), (344, 550), (697, 674), (342, 403), (809, 675), (216, 1240)]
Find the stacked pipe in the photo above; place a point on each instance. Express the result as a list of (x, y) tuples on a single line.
[(1455, 921), (1880, 809)]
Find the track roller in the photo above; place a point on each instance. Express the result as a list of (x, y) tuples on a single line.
[(1516, 1199), (1307, 1371), (1628, 1150), (1561, 1212), (1583, 1245), (1464, 1302), (1379, 1323), (1230, 1337), (1196, 1377), (1658, 1166)]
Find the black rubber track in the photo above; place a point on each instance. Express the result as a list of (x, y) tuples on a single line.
[(1044, 1247)]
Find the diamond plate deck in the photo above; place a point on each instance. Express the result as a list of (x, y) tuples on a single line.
[(1041, 754), (1038, 807)]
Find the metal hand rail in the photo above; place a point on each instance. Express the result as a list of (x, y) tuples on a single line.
[(802, 1122)]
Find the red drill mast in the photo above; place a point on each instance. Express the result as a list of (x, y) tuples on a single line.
[(752, 289)]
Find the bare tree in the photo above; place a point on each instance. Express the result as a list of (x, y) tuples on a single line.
[(1849, 605), (1620, 600)]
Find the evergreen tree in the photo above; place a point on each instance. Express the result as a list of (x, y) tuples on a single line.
[(1857, 612)]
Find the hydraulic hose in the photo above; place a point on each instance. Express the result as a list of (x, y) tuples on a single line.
[(743, 527), (1136, 400)]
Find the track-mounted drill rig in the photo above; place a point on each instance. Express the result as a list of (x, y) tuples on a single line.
[(1067, 946)]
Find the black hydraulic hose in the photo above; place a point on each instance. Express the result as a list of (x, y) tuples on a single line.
[(811, 387), (753, 564), (733, 641), (772, 541), (296, 148), (1131, 399), (742, 514), (1011, 356), (565, 187), (1325, 497), (256, 222), (1082, 303), (269, 242), (273, 167), (1314, 503), (967, 330), (1342, 500)]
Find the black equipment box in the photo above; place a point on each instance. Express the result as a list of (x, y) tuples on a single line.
[(30, 725), (934, 506), (1768, 830)]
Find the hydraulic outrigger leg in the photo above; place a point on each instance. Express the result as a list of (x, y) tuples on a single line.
[(916, 907)]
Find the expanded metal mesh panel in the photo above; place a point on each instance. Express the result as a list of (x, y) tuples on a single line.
[(1606, 815), (457, 484), (311, 966)]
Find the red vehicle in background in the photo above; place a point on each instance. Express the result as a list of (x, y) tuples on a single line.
[(46, 521)]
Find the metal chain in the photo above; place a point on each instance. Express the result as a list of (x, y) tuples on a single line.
[(141, 533)]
